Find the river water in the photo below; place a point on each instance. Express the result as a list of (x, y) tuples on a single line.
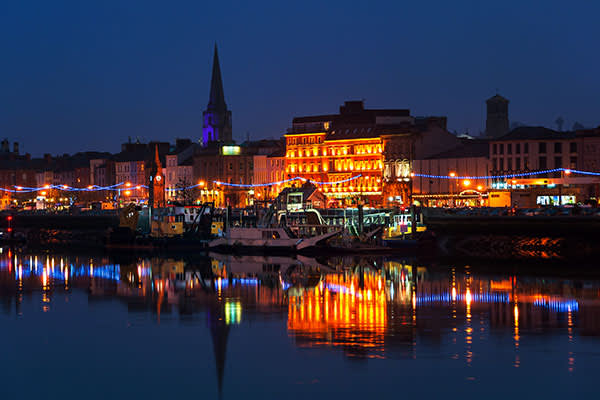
[(79, 326)]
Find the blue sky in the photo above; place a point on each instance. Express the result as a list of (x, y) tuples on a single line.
[(86, 75)]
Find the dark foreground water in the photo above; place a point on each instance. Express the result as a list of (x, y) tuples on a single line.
[(97, 327)]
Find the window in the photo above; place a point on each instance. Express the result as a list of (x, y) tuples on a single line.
[(501, 148), (525, 148), (542, 148), (573, 147), (494, 148), (494, 164), (509, 148), (231, 166), (501, 165), (518, 148), (270, 235), (509, 163), (573, 162), (518, 163), (542, 163), (525, 163), (558, 147), (557, 162)]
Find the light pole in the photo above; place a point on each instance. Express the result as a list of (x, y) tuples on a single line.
[(564, 174), (451, 183)]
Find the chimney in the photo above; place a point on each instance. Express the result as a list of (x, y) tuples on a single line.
[(352, 107), (16, 148), (5, 146), (47, 157)]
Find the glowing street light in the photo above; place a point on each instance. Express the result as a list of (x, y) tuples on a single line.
[(452, 174), (466, 183), (128, 184), (480, 188)]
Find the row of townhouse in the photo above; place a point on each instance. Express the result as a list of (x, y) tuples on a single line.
[(528, 166)]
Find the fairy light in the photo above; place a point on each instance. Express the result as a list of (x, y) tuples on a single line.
[(284, 181), (451, 175)]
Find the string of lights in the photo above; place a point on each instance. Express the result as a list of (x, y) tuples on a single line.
[(516, 175), (285, 181), (126, 186), (91, 188)]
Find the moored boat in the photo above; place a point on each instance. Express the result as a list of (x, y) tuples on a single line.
[(266, 240)]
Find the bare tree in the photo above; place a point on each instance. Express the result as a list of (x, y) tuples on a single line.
[(185, 193), (559, 123)]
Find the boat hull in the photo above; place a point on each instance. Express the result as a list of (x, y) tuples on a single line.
[(242, 243)]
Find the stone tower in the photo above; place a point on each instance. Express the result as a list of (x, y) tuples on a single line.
[(216, 117), (157, 183), (496, 123)]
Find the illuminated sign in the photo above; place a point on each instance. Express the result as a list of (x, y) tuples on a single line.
[(231, 150)]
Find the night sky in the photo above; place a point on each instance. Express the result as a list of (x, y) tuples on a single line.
[(86, 75)]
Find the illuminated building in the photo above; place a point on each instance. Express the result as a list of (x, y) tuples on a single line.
[(470, 158), (352, 147), (228, 171), (133, 166), (276, 172), (179, 172), (536, 148)]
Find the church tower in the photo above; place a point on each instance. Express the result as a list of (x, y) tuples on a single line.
[(157, 183), (496, 123), (216, 117)]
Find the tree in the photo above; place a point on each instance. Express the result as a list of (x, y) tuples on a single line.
[(185, 193), (559, 123)]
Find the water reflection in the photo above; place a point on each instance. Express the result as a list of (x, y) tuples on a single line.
[(366, 309)]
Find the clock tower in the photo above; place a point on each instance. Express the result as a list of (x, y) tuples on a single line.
[(157, 183)]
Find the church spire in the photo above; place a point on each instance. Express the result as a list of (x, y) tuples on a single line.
[(217, 118), (216, 100)]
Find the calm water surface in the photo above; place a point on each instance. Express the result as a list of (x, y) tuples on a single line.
[(100, 327)]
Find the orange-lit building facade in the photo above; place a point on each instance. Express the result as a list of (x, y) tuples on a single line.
[(354, 162), (345, 148), (350, 148)]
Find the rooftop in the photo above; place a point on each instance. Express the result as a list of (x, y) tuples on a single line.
[(534, 133), (469, 148)]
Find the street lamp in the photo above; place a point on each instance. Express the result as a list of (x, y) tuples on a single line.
[(452, 175), (564, 174)]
